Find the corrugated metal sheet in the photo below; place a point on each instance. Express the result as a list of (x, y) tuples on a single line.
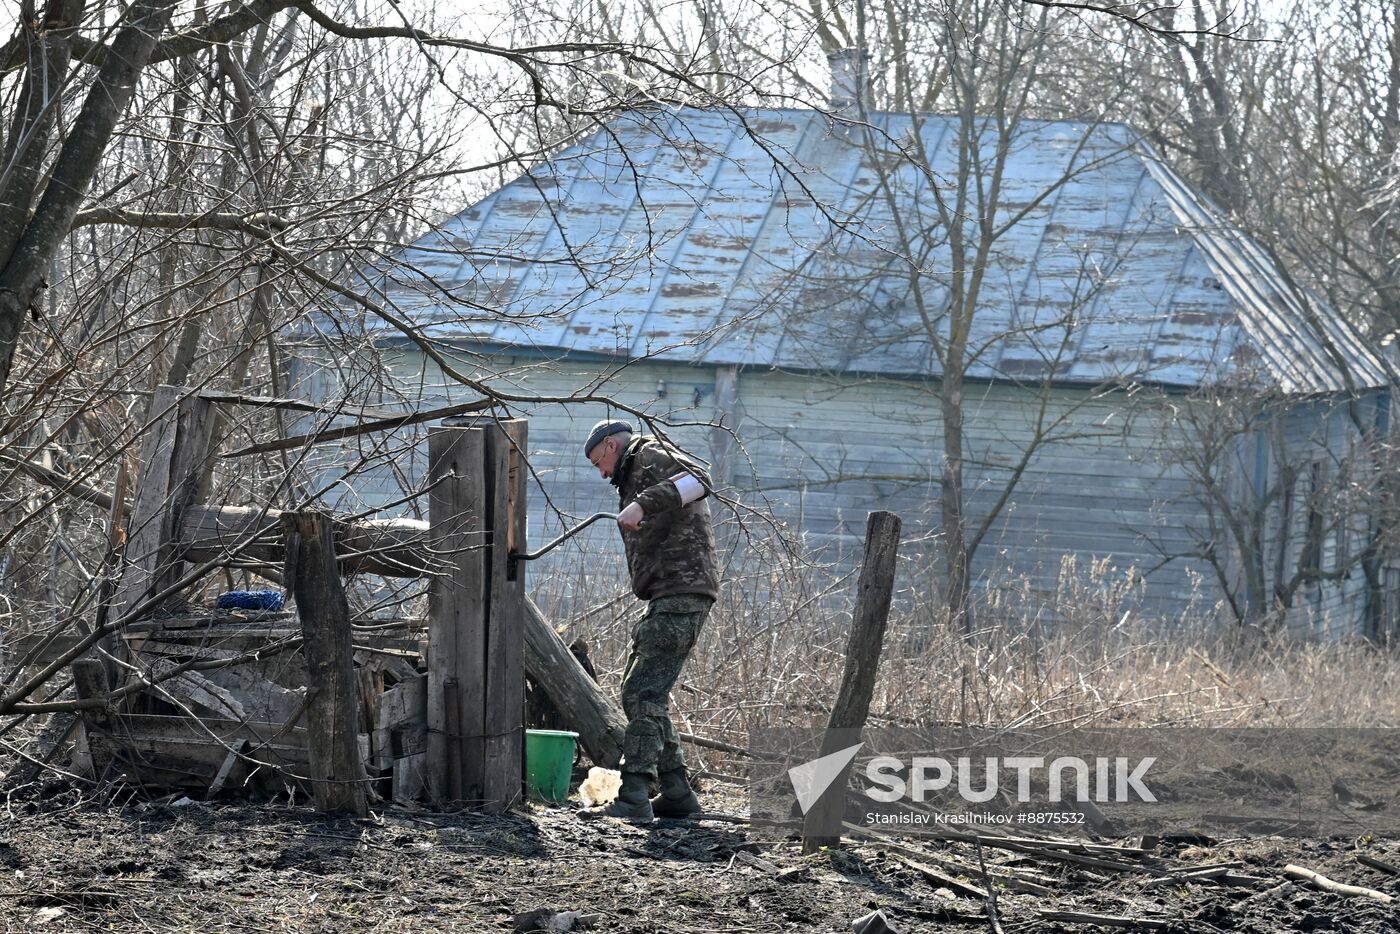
[(777, 240)]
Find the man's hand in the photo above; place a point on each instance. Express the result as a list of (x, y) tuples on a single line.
[(630, 519)]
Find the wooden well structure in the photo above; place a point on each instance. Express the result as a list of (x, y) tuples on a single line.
[(415, 710)]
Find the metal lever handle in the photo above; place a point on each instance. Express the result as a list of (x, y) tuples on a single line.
[(568, 534)]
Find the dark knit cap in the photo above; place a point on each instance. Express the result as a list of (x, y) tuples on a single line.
[(604, 429)]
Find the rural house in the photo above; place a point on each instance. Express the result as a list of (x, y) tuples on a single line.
[(785, 276)]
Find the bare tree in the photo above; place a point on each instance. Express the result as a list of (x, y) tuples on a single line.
[(182, 185), (1290, 517), (923, 265)]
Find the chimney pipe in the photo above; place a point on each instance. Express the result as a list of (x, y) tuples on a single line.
[(850, 80)]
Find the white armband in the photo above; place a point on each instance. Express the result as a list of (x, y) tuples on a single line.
[(688, 487)]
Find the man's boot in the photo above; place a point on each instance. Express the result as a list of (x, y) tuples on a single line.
[(632, 802), (677, 798)]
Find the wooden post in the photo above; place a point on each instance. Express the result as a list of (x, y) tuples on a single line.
[(177, 444), (867, 638), (476, 667), (333, 705), (456, 614)]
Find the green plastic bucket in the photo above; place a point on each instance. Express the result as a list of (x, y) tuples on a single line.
[(549, 762)]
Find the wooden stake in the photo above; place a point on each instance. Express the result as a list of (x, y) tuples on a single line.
[(867, 637), (333, 700)]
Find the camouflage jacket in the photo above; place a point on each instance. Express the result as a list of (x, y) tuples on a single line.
[(674, 550)]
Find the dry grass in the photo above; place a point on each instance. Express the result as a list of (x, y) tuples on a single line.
[(773, 653)]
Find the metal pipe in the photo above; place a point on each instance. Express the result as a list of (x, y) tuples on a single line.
[(568, 534)]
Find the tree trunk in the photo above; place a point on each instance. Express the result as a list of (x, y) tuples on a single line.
[(956, 588), (23, 274), (50, 51)]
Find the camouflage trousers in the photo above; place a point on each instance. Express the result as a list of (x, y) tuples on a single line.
[(661, 642)]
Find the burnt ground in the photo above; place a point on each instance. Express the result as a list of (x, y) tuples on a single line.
[(72, 863)]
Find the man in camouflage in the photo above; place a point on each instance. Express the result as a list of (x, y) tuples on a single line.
[(670, 546)]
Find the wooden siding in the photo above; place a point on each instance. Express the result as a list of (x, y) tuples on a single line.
[(1320, 440), (1093, 488), (819, 453)]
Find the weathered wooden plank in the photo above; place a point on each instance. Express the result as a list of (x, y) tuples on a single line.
[(94, 744), (402, 725), (333, 707), (370, 684), (504, 746), (235, 756), (181, 744), (270, 687), (176, 447), (498, 741), (410, 778), (397, 664), (194, 688), (159, 748)]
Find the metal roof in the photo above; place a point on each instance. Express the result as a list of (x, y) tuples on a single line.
[(777, 238)]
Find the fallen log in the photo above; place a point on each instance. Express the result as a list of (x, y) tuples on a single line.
[(587, 711), (1320, 881), (549, 663)]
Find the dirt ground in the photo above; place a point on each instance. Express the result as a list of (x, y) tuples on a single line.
[(72, 863)]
